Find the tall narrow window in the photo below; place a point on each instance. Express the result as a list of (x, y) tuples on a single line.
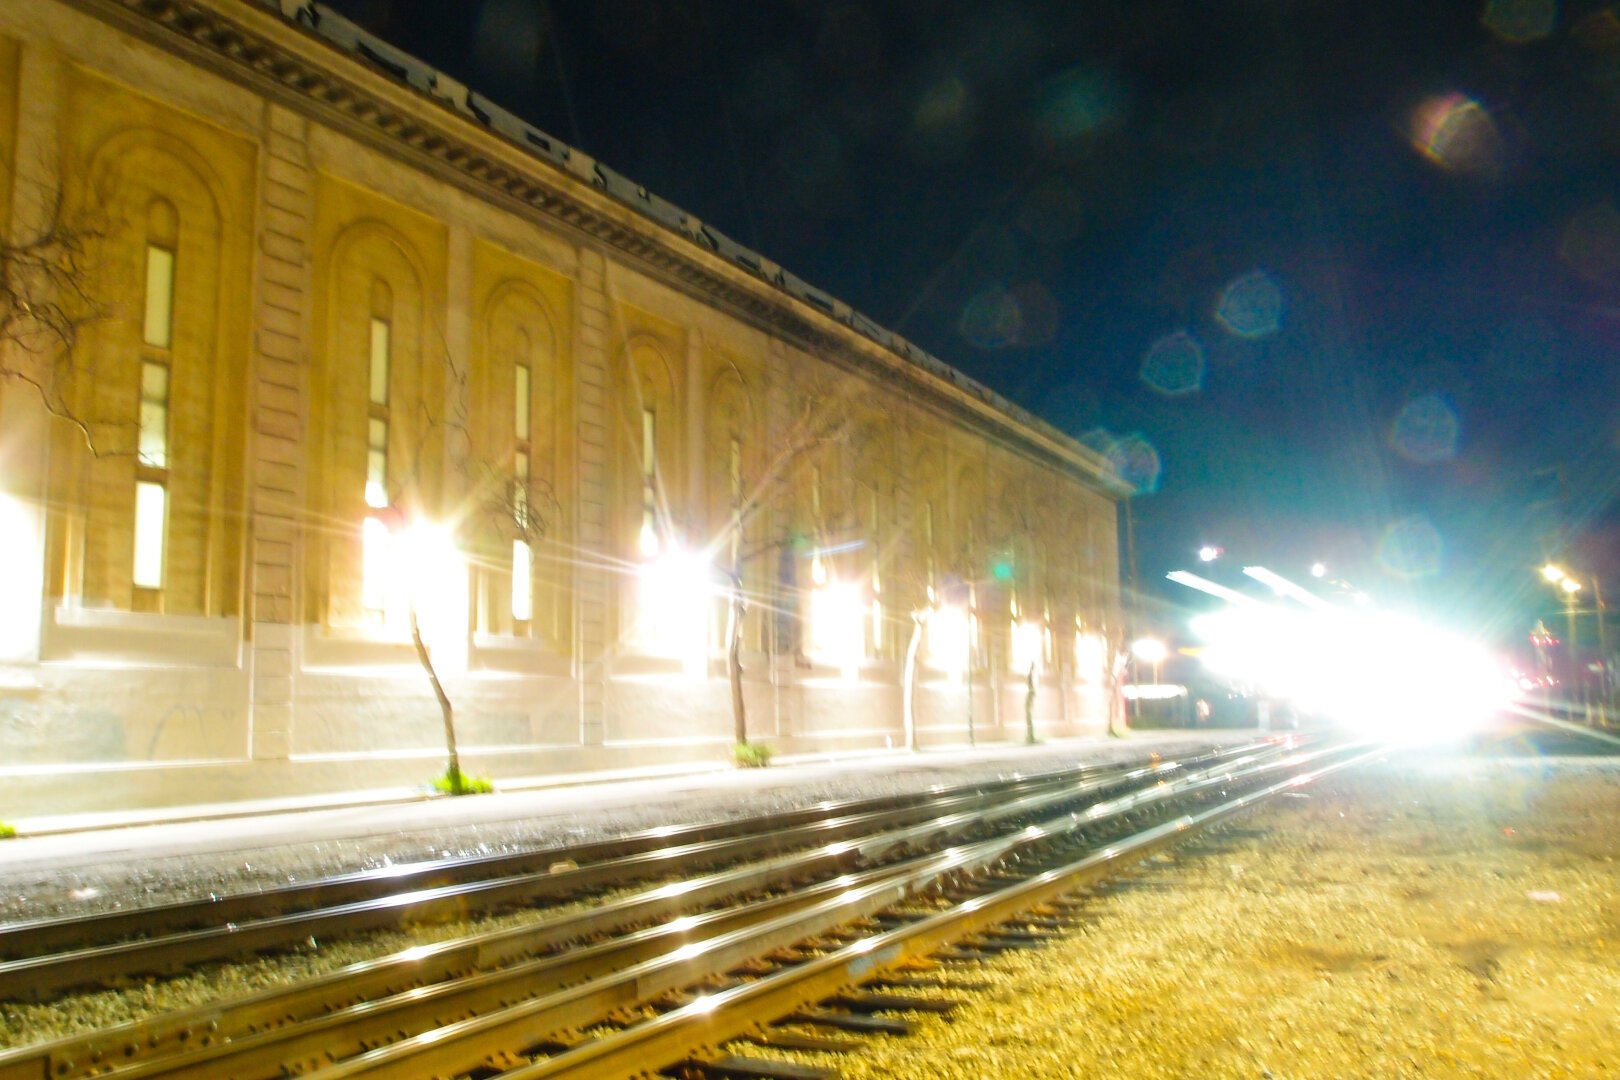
[(151, 510), (818, 569), (152, 418), (375, 561), (928, 548), (877, 573), (734, 474), (157, 329), (522, 557), (648, 539), (152, 450), (377, 425)]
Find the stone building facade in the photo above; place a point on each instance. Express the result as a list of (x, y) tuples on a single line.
[(350, 344)]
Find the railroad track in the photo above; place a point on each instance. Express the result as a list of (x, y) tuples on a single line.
[(41, 959), (821, 937)]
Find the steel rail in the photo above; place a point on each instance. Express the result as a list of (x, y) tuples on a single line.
[(409, 976), (472, 1043), (40, 976), (37, 936), (714, 1019)]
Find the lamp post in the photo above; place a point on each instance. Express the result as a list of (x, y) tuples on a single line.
[(1554, 574)]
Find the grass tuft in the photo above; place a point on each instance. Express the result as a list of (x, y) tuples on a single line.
[(455, 782)]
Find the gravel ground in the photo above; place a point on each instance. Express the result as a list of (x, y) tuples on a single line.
[(172, 865), (1421, 918), (1425, 917)]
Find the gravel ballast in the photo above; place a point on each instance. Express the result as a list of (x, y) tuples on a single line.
[(1426, 916), (1415, 919)]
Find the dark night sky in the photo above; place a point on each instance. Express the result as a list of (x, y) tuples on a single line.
[(1348, 271)]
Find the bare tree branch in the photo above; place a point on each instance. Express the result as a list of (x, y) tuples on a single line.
[(45, 301)]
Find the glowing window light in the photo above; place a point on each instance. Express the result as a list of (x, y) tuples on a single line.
[(151, 506), (157, 328), (152, 449), (1090, 657), (522, 583), (949, 639)]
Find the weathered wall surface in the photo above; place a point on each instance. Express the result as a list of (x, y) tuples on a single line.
[(358, 328)]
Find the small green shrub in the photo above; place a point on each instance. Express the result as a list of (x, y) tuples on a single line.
[(454, 782), (7, 831), (751, 755)]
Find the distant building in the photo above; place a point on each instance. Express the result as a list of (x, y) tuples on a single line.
[(328, 294)]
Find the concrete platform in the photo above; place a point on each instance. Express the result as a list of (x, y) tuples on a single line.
[(67, 865)]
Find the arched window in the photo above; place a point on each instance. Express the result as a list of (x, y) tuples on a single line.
[(377, 461), (152, 519), (513, 517)]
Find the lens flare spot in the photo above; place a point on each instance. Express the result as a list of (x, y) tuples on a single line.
[(1174, 365), (1037, 314), (1426, 430), (1000, 318), (1523, 352), (991, 319), (1137, 462), (1519, 21), (1251, 306), (1590, 243), (1411, 548), (1457, 133), (944, 121), (1051, 213), (1077, 103), (1597, 45)]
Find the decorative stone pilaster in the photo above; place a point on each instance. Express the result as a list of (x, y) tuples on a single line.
[(591, 582), (280, 408)]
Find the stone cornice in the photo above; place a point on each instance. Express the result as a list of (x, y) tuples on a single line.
[(263, 51)]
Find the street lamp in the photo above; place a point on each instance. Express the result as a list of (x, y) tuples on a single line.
[(1554, 574)]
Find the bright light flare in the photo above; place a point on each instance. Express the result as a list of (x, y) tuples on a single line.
[(837, 635), (948, 639), (1383, 674), (1150, 650), (21, 583), (674, 608), (1028, 646)]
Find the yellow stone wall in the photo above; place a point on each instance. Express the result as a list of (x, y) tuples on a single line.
[(294, 225)]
